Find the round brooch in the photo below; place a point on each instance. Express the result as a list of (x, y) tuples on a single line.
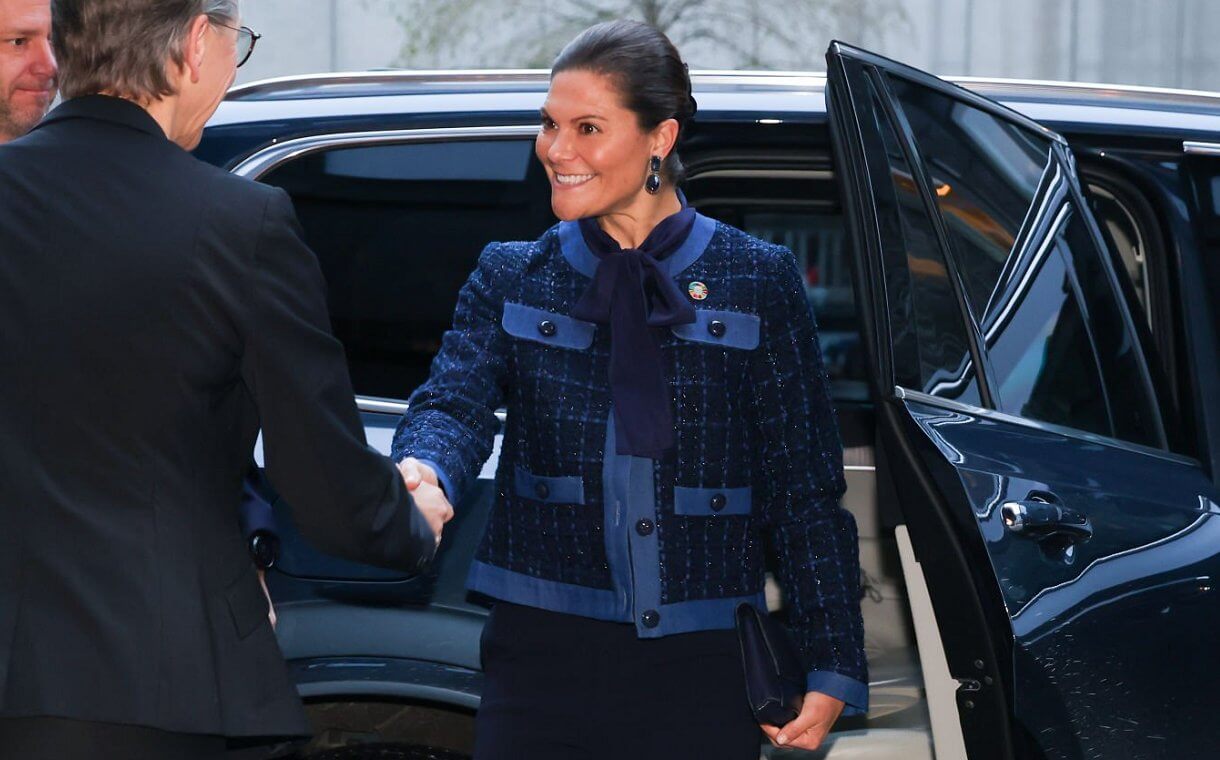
[(697, 290)]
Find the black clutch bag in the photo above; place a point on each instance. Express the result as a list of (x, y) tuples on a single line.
[(775, 678)]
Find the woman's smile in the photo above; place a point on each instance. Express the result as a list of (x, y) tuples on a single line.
[(572, 180)]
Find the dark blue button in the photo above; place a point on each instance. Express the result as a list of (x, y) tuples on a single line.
[(716, 328), (644, 527), (651, 619), (541, 490), (718, 502), (547, 328)]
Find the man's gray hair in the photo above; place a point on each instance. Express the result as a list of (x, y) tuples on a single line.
[(124, 46)]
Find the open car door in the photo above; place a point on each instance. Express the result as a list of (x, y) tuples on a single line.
[(1070, 556)]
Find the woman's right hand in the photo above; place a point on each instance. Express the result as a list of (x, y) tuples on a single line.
[(422, 482)]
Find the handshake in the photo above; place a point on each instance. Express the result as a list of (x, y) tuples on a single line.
[(430, 499), (425, 489)]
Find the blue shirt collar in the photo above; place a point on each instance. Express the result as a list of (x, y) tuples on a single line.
[(577, 252)]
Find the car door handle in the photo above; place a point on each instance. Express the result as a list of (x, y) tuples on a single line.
[(1040, 518)]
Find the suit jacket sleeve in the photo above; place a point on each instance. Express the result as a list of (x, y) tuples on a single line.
[(255, 513), (801, 478), (346, 498), (450, 421)]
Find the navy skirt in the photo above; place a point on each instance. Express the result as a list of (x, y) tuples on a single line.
[(564, 686)]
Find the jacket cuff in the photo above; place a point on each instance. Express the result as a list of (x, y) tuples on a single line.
[(442, 478), (853, 693), (255, 513)]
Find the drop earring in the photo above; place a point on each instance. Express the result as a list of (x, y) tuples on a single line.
[(653, 183)]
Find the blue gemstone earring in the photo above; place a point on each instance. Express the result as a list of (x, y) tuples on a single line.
[(653, 183)]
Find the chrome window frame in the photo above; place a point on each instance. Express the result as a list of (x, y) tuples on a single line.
[(273, 156), (906, 394)]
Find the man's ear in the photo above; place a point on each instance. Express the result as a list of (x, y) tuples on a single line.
[(195, 47)]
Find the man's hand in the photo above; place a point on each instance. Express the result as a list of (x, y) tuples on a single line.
[(415, 472), (421, 481), (808, 729), (262, 579)]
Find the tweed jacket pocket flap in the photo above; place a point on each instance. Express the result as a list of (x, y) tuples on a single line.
[(567, 489), (732, 329), (709, 502), (529, 323)]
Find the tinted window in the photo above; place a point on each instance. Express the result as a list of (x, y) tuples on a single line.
[(818, 242), (985, 173), (398, 229), (1129, 236), (1039, 347), (1133, 409), (928, 334)]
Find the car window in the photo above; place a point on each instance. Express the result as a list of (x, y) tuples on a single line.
[(1129, 238), (927, 327), (1039, 347), (985, 174), (1053, 327), (818, 241), (398, 229), (1133, 406)]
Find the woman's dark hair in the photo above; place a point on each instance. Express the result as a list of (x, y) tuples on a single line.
[(646, 69)]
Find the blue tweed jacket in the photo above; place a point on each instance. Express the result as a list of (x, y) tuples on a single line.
[(674, 544)]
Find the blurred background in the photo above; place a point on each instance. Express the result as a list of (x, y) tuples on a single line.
[(1166, 43)]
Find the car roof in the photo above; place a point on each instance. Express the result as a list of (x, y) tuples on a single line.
[(730, 95)]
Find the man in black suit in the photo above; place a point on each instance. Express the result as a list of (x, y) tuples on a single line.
[(156, 312), (27, 89)]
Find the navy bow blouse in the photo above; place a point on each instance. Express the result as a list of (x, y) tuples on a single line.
[(633, 295)]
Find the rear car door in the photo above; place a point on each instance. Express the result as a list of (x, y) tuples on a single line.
[(1070, 553)]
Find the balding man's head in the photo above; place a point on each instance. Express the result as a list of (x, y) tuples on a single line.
[(27, 65)]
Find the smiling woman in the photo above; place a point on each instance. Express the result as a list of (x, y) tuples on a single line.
[(27, 65), (668, 417), (615, 111)]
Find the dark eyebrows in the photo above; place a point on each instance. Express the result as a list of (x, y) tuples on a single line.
[(586, 117)]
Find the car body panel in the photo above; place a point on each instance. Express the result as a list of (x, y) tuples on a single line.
[(1083, 604)]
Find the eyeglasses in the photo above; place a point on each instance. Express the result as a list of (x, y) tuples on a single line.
[(246, 38)]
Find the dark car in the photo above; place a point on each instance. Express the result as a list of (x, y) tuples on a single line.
[(1022, 341)]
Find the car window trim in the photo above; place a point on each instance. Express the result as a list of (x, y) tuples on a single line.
[(1041, 222), (952, 89), (908, 394), (1198, 148), (1068, 258), (380, 405), (271, 157), (896, 115), (1020, 280)]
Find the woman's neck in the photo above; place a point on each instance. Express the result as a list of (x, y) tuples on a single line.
[(631, 226)]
